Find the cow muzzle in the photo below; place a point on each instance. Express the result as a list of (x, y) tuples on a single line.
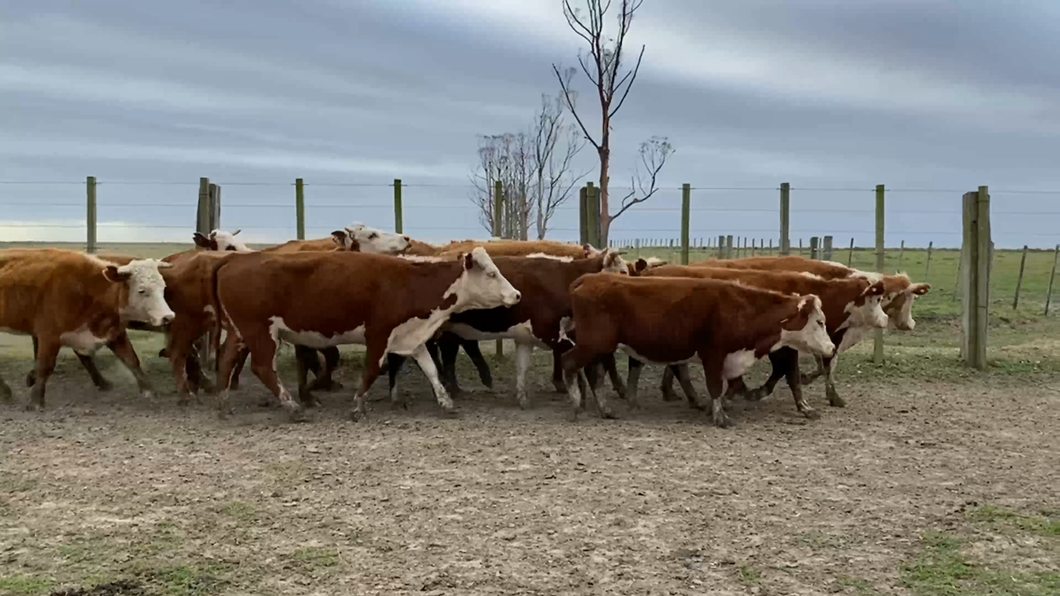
[(513, 298), (164, 319)]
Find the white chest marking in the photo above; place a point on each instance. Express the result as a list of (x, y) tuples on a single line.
[(314, 339), (82, 341), (850, 339), (737, 363), (522, 333), (413, 333)]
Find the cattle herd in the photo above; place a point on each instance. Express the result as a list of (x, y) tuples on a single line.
[(403, 298)]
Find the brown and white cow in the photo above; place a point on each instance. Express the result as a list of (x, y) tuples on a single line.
[(667, 321), (537, 321), (69, 298), (851, 307), (389, 304), (900, 293)]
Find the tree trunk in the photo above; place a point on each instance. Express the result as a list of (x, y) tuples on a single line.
[(540, 205), (605, 211)]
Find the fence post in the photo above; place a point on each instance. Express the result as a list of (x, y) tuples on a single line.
[(721, 247), (1052, 277), (498, 221), (90, 214), (1019, 280), (686, 208), (813, 248), (976, 252), (881, 197), (753, 247), (850, 254), (901, 255), (927, 266), (800, 247), (785, 218), (299, 207), (592, 212), (215, 206), (399, 209), (770, 247), (202, 216), (827, 250), (728, 246), (583, 216)]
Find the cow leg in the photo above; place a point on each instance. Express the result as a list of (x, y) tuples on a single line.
[(474, 352), (712, 369), (557, 372), (241, 360), (324, 381), (794, 378), (394, 362), (373, 361), (632, 381), (232, 351), (87, 362), (609, 364), (423, 358), (6, 395), (48, 351), (574, 361), (448, 347), (305, 359), (186, 370), (263, 349), (523, 353), (667, 385), (781, 360), (821, 366), (123, 349), (685, 380), (829, 384)]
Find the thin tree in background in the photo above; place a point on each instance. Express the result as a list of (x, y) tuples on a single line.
[(555, 145), (603, 66)]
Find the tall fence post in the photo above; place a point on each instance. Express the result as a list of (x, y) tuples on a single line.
[(1019, 280), (785, 218), (814, 241), (881, 265), (927, 266), (901, 255), (686, 208), (850, 254), (1052, 277), (721, 246), (583, 216), (90, 214), (399, 209), (215, 206), (498, 221), (827, 250), (728, 246), (299, 207), (976, 255), (202, 215)]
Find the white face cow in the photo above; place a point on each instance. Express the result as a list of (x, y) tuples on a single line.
[(613, 262), (481, 284), (807, 331), (221, 241), (145, 301), (359, 237), (870, 313), (900, 307)]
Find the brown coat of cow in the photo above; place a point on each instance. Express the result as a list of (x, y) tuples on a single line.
[(840, 299), (672, 320)]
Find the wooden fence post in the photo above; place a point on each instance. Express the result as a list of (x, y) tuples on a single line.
[(215, 206), (299, 207), (583, 215), (881, 265), (927, 266), (770, 247), (1052, 277), (399, 208), (901, 256), (850, 254), (1019, 280), (498, 223), (785, 218), (592, 204), (728, 246), (90, 214), (721, 247), (827, 250), (976, 255), (800, 247), (753, 251), (636, 246), (813, 247), (202, 216), (686, 208)]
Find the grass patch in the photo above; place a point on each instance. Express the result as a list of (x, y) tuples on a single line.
[(241, 512), (314, 558), (185, 580), (749, 575), (856, 585), (943, 570), (23, 585), (1047, 525)]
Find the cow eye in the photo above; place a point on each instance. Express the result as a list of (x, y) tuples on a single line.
[(143, 291), (491, 274), (821, 323), (373, 236)]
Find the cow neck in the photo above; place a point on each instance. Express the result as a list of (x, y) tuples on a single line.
[(579, 267), (436, 287), (102, 308), (763, 327)]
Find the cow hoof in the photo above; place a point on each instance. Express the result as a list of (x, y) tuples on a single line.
[(34, 407), (608, 414), (835, 401), (669, 396), (235, 385), (722, 421), (811, 413), (559, 386), (105, 385), (147, 394), (298, 415), (358, 415), (573, 415), (224, 413), (31, 378)]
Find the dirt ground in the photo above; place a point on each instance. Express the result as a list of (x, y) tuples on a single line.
[(108, 487)]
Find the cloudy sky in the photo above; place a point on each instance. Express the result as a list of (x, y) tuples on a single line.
[(932, 95)]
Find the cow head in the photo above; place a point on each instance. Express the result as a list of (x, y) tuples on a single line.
[(806, 331), (481, 284), (220, 240), (613, 262), (590, 251), (143, 298), (359, 237), (869, 313), (642, 264), (899, 298)]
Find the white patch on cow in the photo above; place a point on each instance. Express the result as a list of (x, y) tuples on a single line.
[(868, 315), (227, 241), (541, 255), (83, 341), (872, 276), (654, 261), (566, 325), (481, 286), (737, 363), (810, 275), (146, 302), (208, 309), (425, 259), (314, 339), (522, 333), (850, 339), (372, 240), (813, 337), (407, 337), (634, 354)]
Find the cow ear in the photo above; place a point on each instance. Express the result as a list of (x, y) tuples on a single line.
[(236, 233), (213, 235), (339, 237), (641, 265), (202, 241), (875, 289), (164, 264), (588, 250), (469, 261), (920, 289), (113, 275)]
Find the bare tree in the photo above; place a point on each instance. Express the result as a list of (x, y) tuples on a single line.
[(554, 179), (644, 182), (506, 158), (603, 66)]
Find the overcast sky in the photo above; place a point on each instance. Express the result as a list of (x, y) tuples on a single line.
[(917, 94)]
